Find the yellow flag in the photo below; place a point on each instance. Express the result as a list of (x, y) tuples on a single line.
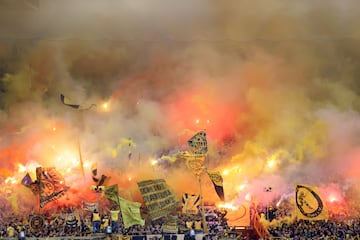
[(130, 212), (309, 204)]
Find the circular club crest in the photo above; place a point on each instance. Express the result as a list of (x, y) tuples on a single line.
[(36, 222), (308, 201)]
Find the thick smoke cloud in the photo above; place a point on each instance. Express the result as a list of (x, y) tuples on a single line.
[(274, 83)]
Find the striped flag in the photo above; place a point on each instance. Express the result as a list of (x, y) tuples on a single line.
[(190, 203), (217, 181)]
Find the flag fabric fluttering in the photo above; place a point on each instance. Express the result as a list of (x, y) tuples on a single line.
[(130, 212), (198, 143), (99, 181), (68, 102), (309, 203), (217, 181), (51, 185), (27, 181), (190, 203), (112, 193)]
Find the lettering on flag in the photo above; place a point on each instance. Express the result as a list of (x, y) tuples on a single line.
[(170, 225), (190, 203), (309, 204), (198, 143), (51, 183), (159, 199)]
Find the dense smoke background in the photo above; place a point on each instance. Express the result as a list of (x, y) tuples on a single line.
[(274, 83)]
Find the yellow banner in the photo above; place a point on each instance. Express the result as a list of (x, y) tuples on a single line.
[(159, 199), (309, 204)]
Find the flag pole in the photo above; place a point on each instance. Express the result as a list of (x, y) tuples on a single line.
[(202, 204), (81, 160)]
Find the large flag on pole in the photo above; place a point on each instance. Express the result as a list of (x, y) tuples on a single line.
[(217, 181), (51, 184), (309, 204), (130, 212), (198, 143)]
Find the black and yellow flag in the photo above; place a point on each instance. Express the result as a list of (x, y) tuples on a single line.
[(51, 185), (159, 199), (217, 181), (99, 181), (198, 143), (194, 162), (67, 102), (112, 193), (309, 204), (190, 203)]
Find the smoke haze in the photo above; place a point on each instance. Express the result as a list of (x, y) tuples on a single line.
[(274, 83)]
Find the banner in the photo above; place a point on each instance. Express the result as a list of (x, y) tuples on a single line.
[(170, 225), (190, 203), (130, 212), (198, 143), (217, 181), (239, 217), (159, 199), (51, 183), (309, 204)]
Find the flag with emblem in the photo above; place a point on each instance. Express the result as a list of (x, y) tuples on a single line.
[(309, 203), (198, 143), (51, 185)]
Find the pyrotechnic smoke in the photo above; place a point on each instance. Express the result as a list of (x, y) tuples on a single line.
[(274, 83)]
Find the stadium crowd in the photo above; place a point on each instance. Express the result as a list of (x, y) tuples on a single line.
[(278, 219)]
